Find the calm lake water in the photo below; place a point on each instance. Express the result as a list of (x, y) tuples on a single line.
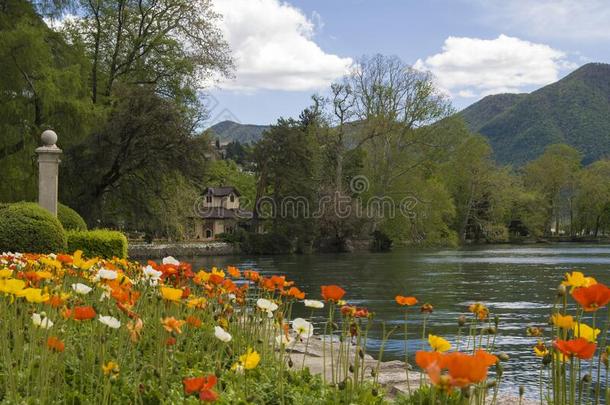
[(516, 282)]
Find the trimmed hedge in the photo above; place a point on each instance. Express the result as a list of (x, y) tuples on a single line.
[(98, 243), (29, 228), (70, 219)]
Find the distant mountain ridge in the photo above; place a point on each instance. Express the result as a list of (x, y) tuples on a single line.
[(228, 131), (574, 110)]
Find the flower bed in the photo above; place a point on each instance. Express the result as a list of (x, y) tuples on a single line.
[(113, 331)]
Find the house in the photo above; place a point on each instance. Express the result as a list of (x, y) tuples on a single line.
[(218, 212)]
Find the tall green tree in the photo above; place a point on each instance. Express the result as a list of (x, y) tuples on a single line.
[(42, 85), (554, 175), (593, 199)]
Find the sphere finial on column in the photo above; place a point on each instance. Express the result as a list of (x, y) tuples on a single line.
[(49, 138)]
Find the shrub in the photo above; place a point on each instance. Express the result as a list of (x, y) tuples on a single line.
[(70, 219), (27, 227), (98, 243)]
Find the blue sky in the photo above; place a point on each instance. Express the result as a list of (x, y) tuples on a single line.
[(287, 50)]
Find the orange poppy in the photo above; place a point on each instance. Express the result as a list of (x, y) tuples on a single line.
[(81, 313), (332, 292), (55, 344), (252, 275), (593, 297), (296, 293), (581, 348), (462, 369), (193, 321), (233, 272), (55, 301), (405, 301), (170, 341), (172, 324)]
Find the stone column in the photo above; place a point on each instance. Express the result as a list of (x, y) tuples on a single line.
[(48, 165)]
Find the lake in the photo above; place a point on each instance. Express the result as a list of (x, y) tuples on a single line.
[(516, 282)]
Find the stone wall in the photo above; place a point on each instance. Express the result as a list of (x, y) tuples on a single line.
[(185, 249)]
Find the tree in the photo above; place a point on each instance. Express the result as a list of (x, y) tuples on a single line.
[(480, 191), (554, 175), (287, 162), (146, 141), (41, 87), (174, 45), (593, 198)]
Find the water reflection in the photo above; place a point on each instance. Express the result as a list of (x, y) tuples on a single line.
[(517, 283)]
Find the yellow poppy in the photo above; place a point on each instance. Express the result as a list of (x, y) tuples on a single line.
[(11, 285), (577, 279), (438, 344), (33, 295), (5, 273), (250, 359), (111, 368), (171, 294), (585, 331), (563, 321), (540, 349), (82, 264)]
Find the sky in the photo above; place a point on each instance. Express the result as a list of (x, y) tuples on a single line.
[(285, 51)]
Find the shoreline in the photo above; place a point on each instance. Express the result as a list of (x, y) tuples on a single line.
[(142, 250)]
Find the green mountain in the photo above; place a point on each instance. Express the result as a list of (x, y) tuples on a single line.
[(228, 131), (575, 110)]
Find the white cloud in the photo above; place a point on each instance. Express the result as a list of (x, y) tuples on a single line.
[(471, 67), (570, 19), (273, 46)]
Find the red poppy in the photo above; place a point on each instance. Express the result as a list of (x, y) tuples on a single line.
[(332, 292), (170, 341), (581, 348), (408, 301), (593, 297), (82, 313), (55, 344), (203, 385)]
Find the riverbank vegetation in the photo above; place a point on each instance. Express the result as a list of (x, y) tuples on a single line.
[(114, 331), (380, 158)]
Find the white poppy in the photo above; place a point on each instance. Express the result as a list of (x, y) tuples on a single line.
[(266, 305), (222, 334), (105, 274), (81, 288), (41, 320), (110, 321), (153, 276), (171, 260), (314, 304), (302, 327)]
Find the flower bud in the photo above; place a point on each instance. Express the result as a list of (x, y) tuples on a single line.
[(503, 356), (521, 390), (561, 290), (586, 379), (461, 320), (351, 368), (547, 359)]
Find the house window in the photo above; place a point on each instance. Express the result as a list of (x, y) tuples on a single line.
[(208, 233), (232, 198), (208, 199)]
